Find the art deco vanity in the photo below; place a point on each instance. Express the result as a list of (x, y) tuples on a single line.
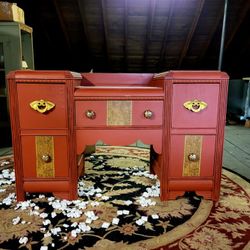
[(56, 114)]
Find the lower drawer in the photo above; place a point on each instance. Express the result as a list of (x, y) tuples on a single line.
[(192, 156), (45, 156)]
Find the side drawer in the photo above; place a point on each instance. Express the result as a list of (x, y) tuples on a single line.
[(197, 117), (45, 156), (118, 113), (35, 93), (192, 156)]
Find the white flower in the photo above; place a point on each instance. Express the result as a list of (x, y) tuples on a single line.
[(91, 215), (73, 233), (115, 221), (74, 224), (119, 212), (53, 215), (104, 197), (88, 221), (140, 222), (9, 199), (98, 190), (128, 202), (94, 203), (51, 198), (155, 216), (48, 234), (82, 205), (46, 222), (55, 230), (73, 213), (105, 225), (83, 227), (43, 215), (125, 212), (23, 240), (16, 220)]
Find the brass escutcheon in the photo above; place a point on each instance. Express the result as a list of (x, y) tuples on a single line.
[(195, 105), (42, 106)]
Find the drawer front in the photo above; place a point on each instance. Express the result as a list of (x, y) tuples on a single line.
[(147, 113), (201, 101), (45, 156), (118, 113), (42, 114), (192, 156)]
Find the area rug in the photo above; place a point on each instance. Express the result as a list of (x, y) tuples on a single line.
[(119, 208)]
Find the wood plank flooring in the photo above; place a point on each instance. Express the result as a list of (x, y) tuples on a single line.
[(236, 155)]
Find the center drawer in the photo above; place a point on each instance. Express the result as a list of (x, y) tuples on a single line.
[(118, 113)]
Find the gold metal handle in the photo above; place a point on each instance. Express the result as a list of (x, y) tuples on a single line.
[(193, 157), (195, 105), (148, 114), (42, 106), (46, 158), (90, 114)]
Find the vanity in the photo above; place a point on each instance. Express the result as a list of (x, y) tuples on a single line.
[(56, 114)]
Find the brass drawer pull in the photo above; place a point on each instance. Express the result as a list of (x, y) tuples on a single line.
[(195, 105), (193, 157), (42, 106), (90, 114), (46, 158), (148, 114)]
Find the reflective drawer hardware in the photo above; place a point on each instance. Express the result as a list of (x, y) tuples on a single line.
[(46, 158), (45, 167), (148, 114), (195, 105), (42, 106), (90, 114), (192, 155)]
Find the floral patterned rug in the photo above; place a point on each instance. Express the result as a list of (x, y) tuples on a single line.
[(119, 207)]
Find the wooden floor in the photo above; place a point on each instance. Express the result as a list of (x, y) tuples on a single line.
[(236, 155)]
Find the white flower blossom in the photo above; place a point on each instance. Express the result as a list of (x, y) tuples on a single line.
[(23, 240)]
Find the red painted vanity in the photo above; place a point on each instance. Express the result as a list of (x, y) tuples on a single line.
[(56, 114)]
